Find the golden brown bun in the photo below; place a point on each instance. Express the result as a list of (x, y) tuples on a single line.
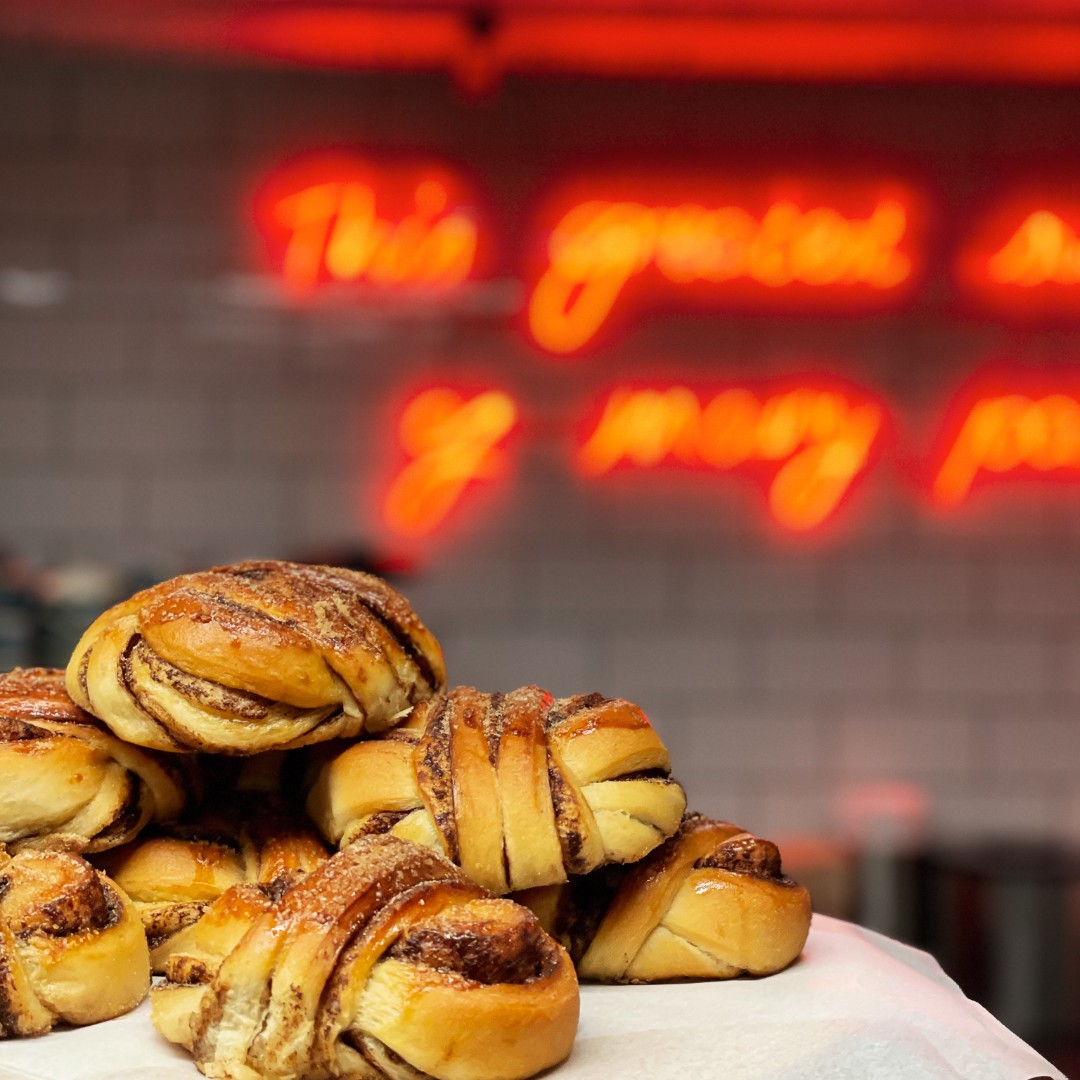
[(72, 948), (67, 783), (711, 903), (173, 875), (519, 789), (384, 962), (256, 656)]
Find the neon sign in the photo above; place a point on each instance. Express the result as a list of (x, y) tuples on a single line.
[(452, 441), (1008, 432), (809, 445), (598, 246), (1043, 249), (820, 440), (341, 219), (792, 245), (1025, 256)]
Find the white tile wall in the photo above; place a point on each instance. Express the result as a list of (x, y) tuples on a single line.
[(879, 743), (26, 424), (643, 661), (758, 741), (576, 582), (129, 106), (1071, 665), (51, 350), (110, 419), (64, 187), (1044, 744), (1019, 587), (887, 586), (752, 585), (971, 661), (802, 661), (147, 419), (27, 101), (561, 661)]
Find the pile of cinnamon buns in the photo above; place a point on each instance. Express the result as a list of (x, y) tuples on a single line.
[(255, 783)]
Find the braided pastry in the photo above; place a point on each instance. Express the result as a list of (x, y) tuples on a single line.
[(384, 962), (72, 948), (67, 783), (173, 875), (255, 656), (711, 903), (519, 789)]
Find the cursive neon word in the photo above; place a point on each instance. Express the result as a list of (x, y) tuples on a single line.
[(1003, 433), (1043, 249), (452, 442), (598, 247), (822, 439), (335, 231)]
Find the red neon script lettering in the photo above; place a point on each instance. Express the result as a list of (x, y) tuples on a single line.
[(598, 246), (1043, 249), (335, 231), (822, 439), (452, 442), (1003, 433)]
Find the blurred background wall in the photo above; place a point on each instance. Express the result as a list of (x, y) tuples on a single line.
[(156, 416), (903, 668)]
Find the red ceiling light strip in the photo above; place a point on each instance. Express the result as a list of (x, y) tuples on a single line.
[(858, 44), (1033, 41), (349, 37)]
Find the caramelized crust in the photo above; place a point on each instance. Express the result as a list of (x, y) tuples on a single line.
[(519, 789), (72, 948), (31, 694), (175, 873), (255, 656), (711, 902), (66, 782), (383, 962), (488, 942)]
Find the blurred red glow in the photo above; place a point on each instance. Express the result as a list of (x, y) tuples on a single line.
[(341, 218), (807, 440), (1023, 256), (451, 441), (339, 37), (759, 40), (1006, 40), (999, 433), (820, 439), (1043, 249), (745, 244)]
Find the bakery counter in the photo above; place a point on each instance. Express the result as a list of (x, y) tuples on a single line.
[(856, 1006)]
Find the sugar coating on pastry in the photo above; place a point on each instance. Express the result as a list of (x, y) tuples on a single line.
[(256, 656), (519, 789), (72, 947), (66, 782), (384, 962)]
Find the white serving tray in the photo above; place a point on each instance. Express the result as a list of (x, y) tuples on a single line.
[(856, 1006)]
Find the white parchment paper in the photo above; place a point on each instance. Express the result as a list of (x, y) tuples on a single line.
[(857, 1006)]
